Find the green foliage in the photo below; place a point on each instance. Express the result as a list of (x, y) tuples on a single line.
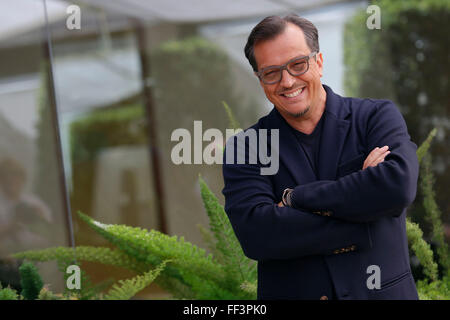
[(425, 146), (153, 247), (228, 251), (431, 287), (422, 249), (66, 255), (233, 123), (392, 10), (191, 272), (433, 214), (46, 294), (8, 294), (436, 290), (105, 128), (31, 281), (129, 288), (250, 287)]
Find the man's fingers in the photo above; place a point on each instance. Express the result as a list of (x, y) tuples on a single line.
[(380, 159), (375, 156), (376, 153)]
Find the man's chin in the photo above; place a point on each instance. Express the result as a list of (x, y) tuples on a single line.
[(299, 114)]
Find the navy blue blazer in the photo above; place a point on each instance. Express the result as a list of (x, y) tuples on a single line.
[(344, 220)]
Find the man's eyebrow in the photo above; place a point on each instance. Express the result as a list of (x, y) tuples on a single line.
[(277, 65)]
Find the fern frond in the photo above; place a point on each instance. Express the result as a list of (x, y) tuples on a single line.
[(423, 149), (130, 287), (432, 212), (233, 123), (239, 267), (112, 257), (250, 287), (206, 289), (210, 242), (153, 247), (422, 249)]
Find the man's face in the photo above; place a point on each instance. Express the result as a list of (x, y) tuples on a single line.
[(292, 96)]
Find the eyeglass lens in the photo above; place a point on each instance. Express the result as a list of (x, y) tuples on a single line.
[(295, 68)]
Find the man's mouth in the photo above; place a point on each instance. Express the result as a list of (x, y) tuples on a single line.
[(293, 94)]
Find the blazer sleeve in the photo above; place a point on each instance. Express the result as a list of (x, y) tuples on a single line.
[(266, 231), (376, 192)]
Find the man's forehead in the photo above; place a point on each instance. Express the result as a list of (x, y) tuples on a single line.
[(290, 43)]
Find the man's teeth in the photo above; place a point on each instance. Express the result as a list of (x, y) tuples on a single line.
[(294, 94)]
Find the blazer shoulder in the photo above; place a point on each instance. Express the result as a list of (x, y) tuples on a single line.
[(368, 106)]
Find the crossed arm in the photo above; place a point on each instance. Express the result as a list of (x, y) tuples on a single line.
[(377, 191), (375, 157), (267, 231)]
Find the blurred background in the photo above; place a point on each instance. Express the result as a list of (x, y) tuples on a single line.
[(86, 114)]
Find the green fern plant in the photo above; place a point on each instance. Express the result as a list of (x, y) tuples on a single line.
[(432, 287), (238, 268), (8, 294), (126, 289), (31, 281), (422, 250), (191, 272), (433, 214)]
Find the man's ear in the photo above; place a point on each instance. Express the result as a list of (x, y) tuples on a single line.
[(319, 61)]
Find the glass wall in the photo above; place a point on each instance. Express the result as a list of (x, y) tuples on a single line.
[(32, 207), (104, 127)]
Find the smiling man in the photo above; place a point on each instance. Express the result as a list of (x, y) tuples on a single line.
[(335, 210)]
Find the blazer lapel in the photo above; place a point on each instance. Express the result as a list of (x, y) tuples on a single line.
[(334, 133)]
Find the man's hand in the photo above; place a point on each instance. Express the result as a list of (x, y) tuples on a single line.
[(376, 156)]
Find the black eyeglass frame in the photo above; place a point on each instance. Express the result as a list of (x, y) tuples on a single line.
[(284, 67)]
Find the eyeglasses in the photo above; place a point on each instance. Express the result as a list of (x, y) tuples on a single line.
[(295, 67)]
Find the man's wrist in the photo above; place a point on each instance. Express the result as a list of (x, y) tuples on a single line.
[(287, 197)]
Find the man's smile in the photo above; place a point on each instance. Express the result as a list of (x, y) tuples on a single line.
[(297, 93)]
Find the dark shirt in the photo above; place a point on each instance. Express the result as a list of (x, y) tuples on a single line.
[(310, 144)]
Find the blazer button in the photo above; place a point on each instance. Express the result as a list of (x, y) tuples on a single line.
[(323, 298)]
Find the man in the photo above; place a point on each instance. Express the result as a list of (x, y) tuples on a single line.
[(331, 222)]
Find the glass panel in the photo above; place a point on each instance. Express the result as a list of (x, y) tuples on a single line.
[(32, 211), (104, 127)]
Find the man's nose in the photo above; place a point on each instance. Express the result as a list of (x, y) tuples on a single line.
[(287, 80)]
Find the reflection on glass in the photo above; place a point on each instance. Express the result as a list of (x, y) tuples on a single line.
[(24, 217), (31, 205)]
